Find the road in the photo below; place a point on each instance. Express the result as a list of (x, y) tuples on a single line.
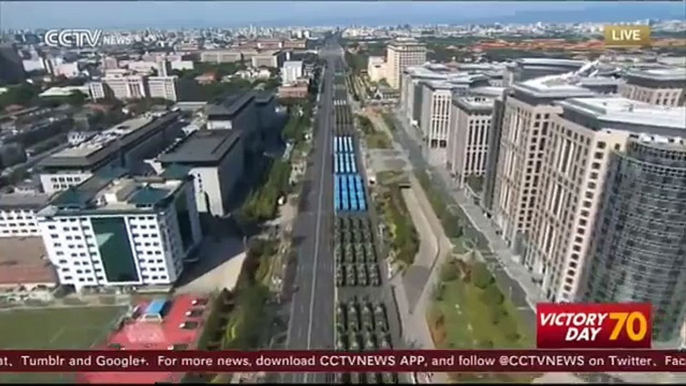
[(311, 323)]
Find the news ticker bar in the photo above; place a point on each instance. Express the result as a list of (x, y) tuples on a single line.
[(488, 361)]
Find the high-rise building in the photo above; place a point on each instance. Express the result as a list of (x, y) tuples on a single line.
[(11, 66), (291, 71), (215, 159), (610, 205), (125, 145), (114, 230), (413, 79), (400, 55), (525, 125), (376, 68), (236, 111), (469, 137), (127, 86), (638, 250), (163, 68), (435, 119), (494, 151), (665, 87), (109, 63), (99, 90), (18, 214), (165, 87)]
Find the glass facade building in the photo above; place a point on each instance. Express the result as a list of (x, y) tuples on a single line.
[(639, 253)]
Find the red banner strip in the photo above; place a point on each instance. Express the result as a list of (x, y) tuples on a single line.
[(488, 361)]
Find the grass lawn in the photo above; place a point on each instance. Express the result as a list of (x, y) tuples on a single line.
[(55, 328), (468, 321), (378, 140), (404, 237)]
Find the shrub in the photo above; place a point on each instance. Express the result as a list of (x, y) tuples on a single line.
[(492, 295), (481, 276), (448, 272), (498, 314)]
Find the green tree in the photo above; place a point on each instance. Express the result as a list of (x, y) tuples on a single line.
[(481, 276), (448, 272), (23, 94), (76, 98)]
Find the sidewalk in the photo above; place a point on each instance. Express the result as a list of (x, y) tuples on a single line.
[(511, 276)]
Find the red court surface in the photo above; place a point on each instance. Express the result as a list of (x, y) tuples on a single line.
[(139, 334)]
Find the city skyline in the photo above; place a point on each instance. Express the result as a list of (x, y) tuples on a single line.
[(27, 15)]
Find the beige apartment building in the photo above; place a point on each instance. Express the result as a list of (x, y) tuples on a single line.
[(221, 56), (376, 68), (665, 87), (469, 137), (435, 119), (400, 55), (583, 144), (526, 119)]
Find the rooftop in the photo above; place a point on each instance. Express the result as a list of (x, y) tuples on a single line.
[(549, 62), (231, 105), (105, 143), (182, 323), (264, 97), (623, 110), (555, 86), (115, 191), (23, 201), (293, 63), (23, 261), (663, 74), (405, 42), (475, 103), (488, 91), (203, 146)]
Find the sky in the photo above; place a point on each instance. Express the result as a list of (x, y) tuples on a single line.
[(199, 14)]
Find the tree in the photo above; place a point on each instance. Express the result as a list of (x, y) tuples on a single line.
[(492, 295), (448, 272), (481, 276), (23, 94), (76, 98)]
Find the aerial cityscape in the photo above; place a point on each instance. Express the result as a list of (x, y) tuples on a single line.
[(348, 176)]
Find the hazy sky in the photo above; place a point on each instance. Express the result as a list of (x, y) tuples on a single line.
[(175, 14)]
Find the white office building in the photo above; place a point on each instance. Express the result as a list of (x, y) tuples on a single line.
[(118, 231), (127, 86), (291, 71), (18, 214), (165, 87)]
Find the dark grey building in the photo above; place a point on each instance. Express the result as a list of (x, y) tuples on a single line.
[(494, 150), (11, 66), (639, 254)]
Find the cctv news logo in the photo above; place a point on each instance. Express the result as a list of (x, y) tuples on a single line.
[(596, 326), (83, 38)]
